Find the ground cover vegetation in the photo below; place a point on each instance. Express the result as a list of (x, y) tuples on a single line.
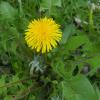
[(70, 70)]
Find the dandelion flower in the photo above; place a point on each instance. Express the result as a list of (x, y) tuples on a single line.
[(43, 34)]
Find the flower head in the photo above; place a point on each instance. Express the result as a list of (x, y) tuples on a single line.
[(43, 34)]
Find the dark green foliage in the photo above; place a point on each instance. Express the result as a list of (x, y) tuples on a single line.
[(69, 72)]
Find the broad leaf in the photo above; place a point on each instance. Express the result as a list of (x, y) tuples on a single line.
[(78, 88), (7, 11)]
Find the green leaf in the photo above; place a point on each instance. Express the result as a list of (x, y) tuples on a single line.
[(8, 98), (94, 63), (56, 3), (48, 4), (68, 30), (59, 67), (3, 91), (81, 3), (78, 88), (7, 11), (31, 97), (20, 7), (63, 70), (76, 41), (97, 92)]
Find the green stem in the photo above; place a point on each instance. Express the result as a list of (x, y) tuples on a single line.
[(91, 23)]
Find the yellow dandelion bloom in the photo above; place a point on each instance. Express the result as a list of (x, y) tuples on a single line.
[(43, 34)]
